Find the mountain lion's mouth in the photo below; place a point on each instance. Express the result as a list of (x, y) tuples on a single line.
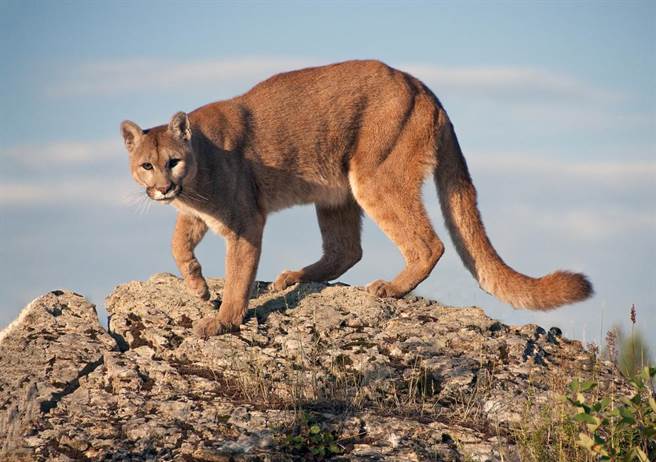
[(168, 197)]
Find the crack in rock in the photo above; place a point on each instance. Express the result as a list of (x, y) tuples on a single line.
[(70, 387)]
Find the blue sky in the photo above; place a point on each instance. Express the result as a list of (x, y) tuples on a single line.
[(554, 104)]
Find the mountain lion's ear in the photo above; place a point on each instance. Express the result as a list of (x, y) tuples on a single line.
[(179, 126), (132, 133)]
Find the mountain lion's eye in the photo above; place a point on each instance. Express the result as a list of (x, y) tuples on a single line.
[(173, 162), (147, 166)]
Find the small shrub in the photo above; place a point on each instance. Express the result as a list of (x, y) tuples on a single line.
[(310, 440), (622, 430), (546, 434)]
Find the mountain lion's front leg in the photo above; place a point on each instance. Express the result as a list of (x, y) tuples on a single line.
[(188, 233), (242, 256)]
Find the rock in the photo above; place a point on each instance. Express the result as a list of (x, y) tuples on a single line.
[(45, 354), (378, 379)]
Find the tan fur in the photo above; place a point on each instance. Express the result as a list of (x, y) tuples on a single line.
[(347, 137)]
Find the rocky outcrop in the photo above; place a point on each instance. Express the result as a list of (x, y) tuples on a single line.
[(316, 371), (44, 355)]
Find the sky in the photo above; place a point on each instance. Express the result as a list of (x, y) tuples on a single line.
[(554, 104)]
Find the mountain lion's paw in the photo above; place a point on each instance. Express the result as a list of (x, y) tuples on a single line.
[(383, 289), (286, 279), (212, 325), (198, 287)]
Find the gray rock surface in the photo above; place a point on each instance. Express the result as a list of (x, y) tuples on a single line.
[(44, 355), (313, 368)]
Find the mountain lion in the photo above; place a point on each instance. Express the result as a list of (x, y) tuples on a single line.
[(349, 137)]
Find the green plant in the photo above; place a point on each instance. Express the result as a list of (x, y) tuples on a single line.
[(544, 431), (633, 354), (617, 430), (310, 440)]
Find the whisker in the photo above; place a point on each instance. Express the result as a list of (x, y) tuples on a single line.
[(137, 205), (193, 195), (197, 194), (143, 205), (132, 198)]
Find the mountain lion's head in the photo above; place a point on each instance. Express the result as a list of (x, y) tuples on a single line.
[(161, 158)]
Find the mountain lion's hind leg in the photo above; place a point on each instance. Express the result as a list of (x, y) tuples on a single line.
[(188, 233), (396, 207), (340, 230)]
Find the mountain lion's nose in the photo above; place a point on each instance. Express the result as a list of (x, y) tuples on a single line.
[(166, 188)]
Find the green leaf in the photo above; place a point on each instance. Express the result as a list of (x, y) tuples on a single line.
[(636, 382), (334, 449), (614, 413), (586, 418), (574, 385), (626, 411), (588, 385), (598, 439), (604, 403), (315, 429)]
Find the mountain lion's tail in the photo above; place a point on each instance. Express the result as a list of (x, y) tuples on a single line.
[(458, 201)]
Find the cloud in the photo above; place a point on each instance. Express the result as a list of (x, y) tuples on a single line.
[(576, 200), (138, 75), (580, 115), (585, 224), (604, 174), (65, 172), (69, 191), (509, 82), (62, 153), (550, 100)]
